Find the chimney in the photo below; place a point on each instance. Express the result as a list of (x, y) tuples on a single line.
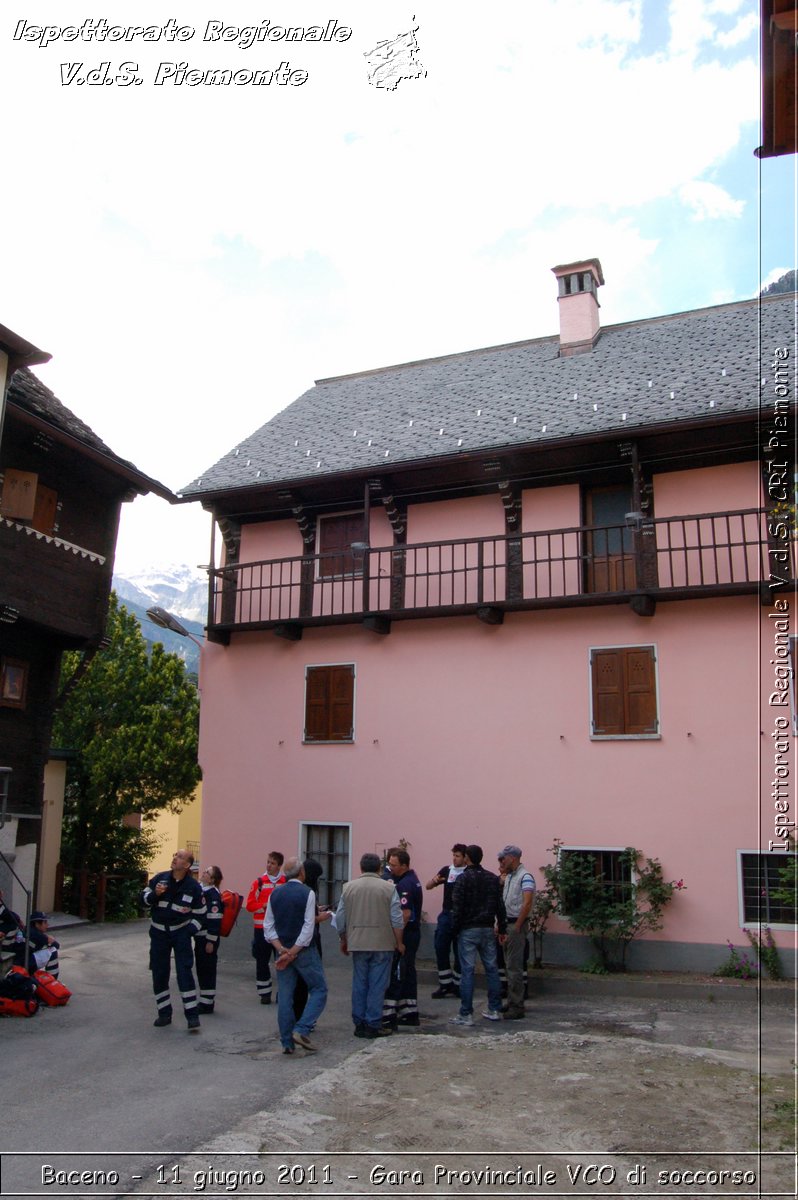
[(579, 307)]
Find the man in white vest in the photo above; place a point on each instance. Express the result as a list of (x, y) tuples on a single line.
[(519, 892)]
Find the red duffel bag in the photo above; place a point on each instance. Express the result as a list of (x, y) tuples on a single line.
[(49, 990)]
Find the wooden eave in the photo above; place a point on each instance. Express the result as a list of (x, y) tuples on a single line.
[(21, 353), (142, 484), (671, 446), (779, 67)]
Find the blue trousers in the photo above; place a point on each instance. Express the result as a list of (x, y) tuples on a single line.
[(371, 971), (307, 966), (445, 943), (470, 943), (163, 944)]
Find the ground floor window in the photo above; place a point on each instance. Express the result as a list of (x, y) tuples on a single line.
[(329, 845), (768, 888), (590, 869)]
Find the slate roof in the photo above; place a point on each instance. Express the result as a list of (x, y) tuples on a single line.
[(686, 367), (30, 395)]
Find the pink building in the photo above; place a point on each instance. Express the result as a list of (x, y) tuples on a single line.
[(519, 594)]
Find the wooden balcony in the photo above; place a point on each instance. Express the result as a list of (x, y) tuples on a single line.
[(53, 584), (673, 558)]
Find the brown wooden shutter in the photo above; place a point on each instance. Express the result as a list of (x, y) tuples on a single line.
[(641, 690), (624, 691), (342, 695), (329, 704), (45, 510), (316, 690), (607, 675)]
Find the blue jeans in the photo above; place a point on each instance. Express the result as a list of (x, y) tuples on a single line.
[(371, 971), (470, 943), (306, 965)]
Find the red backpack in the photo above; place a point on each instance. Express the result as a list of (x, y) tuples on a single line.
[(49, 990), (231, 907)]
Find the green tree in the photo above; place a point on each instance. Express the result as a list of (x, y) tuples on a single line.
[(131, 721)]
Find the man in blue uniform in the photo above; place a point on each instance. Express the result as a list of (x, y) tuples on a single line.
[(400, 1006), (445, 941), (289, 925), (178, 911)]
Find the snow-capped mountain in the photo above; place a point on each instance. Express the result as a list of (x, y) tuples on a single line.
[(181, 590)]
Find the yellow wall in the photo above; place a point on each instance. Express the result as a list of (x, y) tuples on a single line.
[(176, 831)]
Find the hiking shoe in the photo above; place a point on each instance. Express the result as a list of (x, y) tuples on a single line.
[(162, 1020), (442, 993), (288, 1049), (410, 1019), (265, 999), (193, 1023), (361, 1031), (461, 1019), (514, 1014), (383, 1031), (204, 1009), (300, 1039), (492, 1014)]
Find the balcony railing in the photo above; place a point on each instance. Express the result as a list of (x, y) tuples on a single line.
[(668, 558)]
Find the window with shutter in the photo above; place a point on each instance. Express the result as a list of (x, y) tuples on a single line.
[(336, 535), (624, 692), (330, 703)]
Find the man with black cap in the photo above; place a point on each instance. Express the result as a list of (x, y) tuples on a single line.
[(41, 953), (518, 894)]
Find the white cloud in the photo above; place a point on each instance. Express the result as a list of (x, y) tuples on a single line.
[(708, 201), (195, 257)]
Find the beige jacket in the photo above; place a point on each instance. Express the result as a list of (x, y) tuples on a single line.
[(368, 912)]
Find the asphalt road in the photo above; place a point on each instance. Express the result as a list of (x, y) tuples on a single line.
[(95, 1077)]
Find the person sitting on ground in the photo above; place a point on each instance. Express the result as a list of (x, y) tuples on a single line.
[(41, 953)]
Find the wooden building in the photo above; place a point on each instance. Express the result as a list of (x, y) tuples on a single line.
[(61, 493)]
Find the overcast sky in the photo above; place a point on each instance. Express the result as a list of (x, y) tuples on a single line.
[(194, 257)]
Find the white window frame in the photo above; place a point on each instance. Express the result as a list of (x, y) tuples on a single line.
[(624, 737), (594, 850), (303, 824), (338, 741), (752, 925)]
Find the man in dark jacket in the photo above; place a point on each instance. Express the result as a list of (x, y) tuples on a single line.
[(400, 1006), (178, 913), (478, 915)]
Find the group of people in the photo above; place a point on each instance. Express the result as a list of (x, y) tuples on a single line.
[(378, 921), (35, 949)]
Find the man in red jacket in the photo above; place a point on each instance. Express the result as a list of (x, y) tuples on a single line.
[(257, 900)]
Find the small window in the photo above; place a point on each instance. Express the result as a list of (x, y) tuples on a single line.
[(768, 886), (608, 869), (13, 682), (624, 692), (329, 845), (330, 703), (336, 538)]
